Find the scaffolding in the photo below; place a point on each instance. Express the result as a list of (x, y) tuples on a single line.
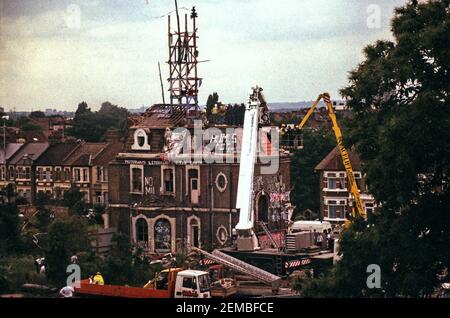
[(183, 81)]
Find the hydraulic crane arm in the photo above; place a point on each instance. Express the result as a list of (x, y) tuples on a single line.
[(343, 151)]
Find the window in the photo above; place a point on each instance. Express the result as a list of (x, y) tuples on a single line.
[(189, 282), (358, 179), (141, 140), (48, 174), (23, 173), (66, 174), (336, 209), (81, 174), (194, 186), (369, 208), (168, 181), (98, 197), (12, 173), (222, 235), (336, 181), (2, 173), (58, 174), (162, 236), (194, 235), (203, 283), (136, 179), (102, 174), (142, 232), (77, 174), (221, 182)]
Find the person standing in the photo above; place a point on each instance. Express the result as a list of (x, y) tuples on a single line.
[(320, 240)]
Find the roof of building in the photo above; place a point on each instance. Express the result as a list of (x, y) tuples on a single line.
[(160, 117), (11, 149), (333, 161), (56, 153), (29, 153), (108, 153), (84, 154)]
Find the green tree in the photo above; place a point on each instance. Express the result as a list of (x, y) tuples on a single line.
[(306, 194), (10, 240), (92, 126), (31, 127), (65, 238), (37, 114)]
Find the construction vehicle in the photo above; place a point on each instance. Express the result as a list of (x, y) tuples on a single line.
[(263, 264), (169, 283), (356, 208)]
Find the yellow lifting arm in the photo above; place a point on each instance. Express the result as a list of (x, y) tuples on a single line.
[(343, 151)]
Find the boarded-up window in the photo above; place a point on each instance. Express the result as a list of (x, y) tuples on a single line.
[(162, 236)]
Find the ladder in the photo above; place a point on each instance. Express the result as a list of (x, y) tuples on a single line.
[(242, 267), (269, 235)]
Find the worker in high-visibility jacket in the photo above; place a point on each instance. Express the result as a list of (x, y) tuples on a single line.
[(98, 279)]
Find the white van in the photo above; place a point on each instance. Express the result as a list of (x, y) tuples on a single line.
[(319, 226)]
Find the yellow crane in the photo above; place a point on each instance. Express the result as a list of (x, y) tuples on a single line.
[(343, 151)]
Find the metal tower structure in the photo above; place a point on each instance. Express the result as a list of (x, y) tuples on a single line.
[(183, 60)]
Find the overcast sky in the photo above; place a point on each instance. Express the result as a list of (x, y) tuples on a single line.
[(294, 49)]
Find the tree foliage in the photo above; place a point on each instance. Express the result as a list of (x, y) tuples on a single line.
[(316, 145), (65, 238), (92, 126), (10, 241)]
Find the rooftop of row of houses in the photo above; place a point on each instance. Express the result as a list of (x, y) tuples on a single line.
[(69, 153)]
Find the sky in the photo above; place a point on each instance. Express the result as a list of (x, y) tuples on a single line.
[(57, 53)]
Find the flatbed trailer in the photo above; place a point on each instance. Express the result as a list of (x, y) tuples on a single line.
[(117, 291)]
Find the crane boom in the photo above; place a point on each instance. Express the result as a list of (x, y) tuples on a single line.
[(256, 106), (342, 150)]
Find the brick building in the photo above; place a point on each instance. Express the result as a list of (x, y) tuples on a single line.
[(165, 204), (334, 195), (21, 168)]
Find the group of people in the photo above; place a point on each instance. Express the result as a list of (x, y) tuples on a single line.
[(324, 240), (226, 114)]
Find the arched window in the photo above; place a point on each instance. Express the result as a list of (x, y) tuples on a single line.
[(263, 208), (162, 236), (195, 233), (141, 230), (141, 140), (142, 233)]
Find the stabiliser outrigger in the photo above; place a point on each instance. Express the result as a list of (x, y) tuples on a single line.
[(357, 208)]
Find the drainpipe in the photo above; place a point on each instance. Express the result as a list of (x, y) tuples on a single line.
[(211, 202), (230, 181)]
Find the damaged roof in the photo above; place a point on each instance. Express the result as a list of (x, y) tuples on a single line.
[(160, 117)]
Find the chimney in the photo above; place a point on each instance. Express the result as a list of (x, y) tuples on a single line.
[(112, 136)]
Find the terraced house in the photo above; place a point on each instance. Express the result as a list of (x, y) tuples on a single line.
[(21, 169), (52, 177)]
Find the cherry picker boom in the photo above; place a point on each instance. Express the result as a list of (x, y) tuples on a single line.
[(359, 211)]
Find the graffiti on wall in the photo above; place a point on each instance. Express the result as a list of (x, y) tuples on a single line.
[(149, 186), (280, 201)]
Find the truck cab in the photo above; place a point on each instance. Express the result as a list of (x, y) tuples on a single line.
[(192, 284)]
